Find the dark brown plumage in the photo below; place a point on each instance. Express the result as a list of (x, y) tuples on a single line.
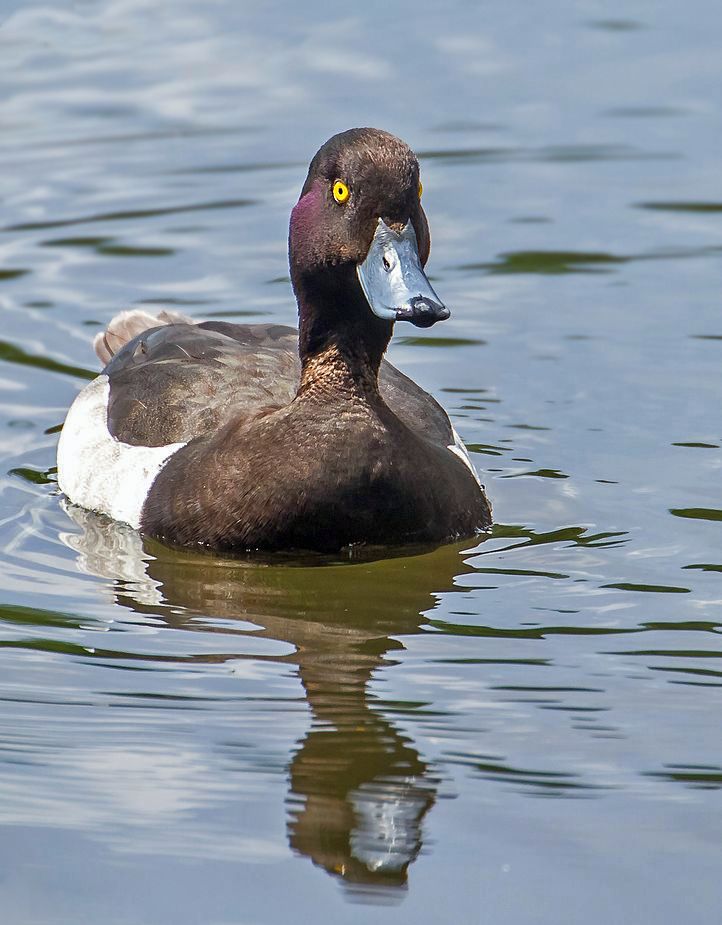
[(300, 451)]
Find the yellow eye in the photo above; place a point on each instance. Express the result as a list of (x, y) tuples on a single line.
[(421, 189), (340, 191)]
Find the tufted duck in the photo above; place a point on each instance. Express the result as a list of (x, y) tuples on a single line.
[(245, 437)]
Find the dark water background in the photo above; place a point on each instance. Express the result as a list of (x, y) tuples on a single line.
[(526, 731)]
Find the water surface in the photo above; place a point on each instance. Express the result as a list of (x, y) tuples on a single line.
[(524, 730)]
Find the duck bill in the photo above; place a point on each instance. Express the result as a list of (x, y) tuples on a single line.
[(394, 282)]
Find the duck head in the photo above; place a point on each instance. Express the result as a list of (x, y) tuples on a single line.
[(359, 238)]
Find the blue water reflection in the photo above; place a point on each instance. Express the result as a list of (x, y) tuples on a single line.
[(525, 730)]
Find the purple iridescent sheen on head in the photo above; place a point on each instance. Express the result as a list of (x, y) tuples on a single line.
[(309, 241), (305, 213)]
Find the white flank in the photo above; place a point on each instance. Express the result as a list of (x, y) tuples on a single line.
[(458, 449), (99, 472)]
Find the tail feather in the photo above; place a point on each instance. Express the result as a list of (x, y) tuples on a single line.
[(127, 325)]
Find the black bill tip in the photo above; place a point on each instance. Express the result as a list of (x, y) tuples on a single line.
[(423, 312)]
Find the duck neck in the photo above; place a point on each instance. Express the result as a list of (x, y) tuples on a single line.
[(341, 343)]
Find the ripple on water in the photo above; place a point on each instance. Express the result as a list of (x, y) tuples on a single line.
[(681, 206), (562, 262), (129, 214), (10, 353), (7, 273), (696, 513), (384, 724)]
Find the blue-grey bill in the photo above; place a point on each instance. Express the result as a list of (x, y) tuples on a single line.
[(394, 282)]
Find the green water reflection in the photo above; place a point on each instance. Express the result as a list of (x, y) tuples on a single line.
[(527, 733), (358, 788)]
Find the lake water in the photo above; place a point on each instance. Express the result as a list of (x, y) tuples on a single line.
[(525, 730)]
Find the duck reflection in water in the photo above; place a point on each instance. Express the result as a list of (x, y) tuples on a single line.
[(358, 788)]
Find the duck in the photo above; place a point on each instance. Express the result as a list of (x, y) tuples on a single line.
[(243, 437)]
